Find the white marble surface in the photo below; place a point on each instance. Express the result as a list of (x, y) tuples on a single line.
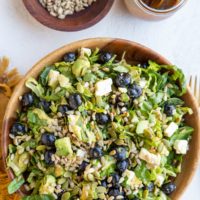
[(25, 41)]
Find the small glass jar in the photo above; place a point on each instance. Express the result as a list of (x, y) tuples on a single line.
[(142, 10)]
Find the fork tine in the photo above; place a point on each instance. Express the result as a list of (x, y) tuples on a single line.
[(198, 98), (190, 82), (195, 87)]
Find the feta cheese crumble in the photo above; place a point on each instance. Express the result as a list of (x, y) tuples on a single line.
[(171, 129), (181, 146), (103, 87)]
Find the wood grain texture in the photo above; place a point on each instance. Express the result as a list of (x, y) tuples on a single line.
[(135, 53), (77, 21)]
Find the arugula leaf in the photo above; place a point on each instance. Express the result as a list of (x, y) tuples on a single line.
[(144, 174), (182, 134), (54, 96), (39, 197), (175, 101), (15, 184), (43, 78)]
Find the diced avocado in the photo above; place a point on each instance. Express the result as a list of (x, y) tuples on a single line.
[(141, 126), (53, 78), (64, 81), (80, 66), (48, 184), (59, 171), (63, 146), (108, 166), (20, 163)]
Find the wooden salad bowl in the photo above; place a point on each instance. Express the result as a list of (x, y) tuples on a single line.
[(135, 53), (77, 21)]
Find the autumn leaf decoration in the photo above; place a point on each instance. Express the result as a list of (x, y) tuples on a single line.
[(8, 79)]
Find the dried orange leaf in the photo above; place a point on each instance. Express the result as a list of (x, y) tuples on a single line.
[(4, 63)]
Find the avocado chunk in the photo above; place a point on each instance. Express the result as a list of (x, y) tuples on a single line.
[(20, 163), (80, 66), (48, 184), (53, 78), (63, 147)]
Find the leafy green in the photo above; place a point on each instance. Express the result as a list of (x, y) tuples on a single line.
[(34, 119), (182, 134), (144, 174), (15, 184), (39, 197), (175, 101), (43, 77), (120, 68), (32, 84), (54, 96)]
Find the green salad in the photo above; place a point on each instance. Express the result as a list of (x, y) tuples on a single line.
[(96, 127)]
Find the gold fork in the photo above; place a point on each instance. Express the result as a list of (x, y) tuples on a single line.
[(194, 85)]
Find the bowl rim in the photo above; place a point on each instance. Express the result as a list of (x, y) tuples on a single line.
[(56, 26), (75, 45)]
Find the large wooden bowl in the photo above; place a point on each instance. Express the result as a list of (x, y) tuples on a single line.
[(75, 22), (135, 53)]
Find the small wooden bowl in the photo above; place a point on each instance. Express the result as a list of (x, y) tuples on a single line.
[(75, 22), (135, 53)]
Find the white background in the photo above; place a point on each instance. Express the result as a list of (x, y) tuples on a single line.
[(25, 41)]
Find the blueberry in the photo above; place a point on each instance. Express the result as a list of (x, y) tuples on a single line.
[(63, 109), (18, 129), (48, 139), (102, 118), (82, 167), (104, 183), (74, 101), (27, 100), (168, 188), (169, 109), (47, 157), (120, 153), (69, 57), (144, 65), (123, 80), (122, 165), (96, 152), (115, 180), (45, 105), (150, 187), (134, 91), (59, 196), (105, 57), (114, 192)]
